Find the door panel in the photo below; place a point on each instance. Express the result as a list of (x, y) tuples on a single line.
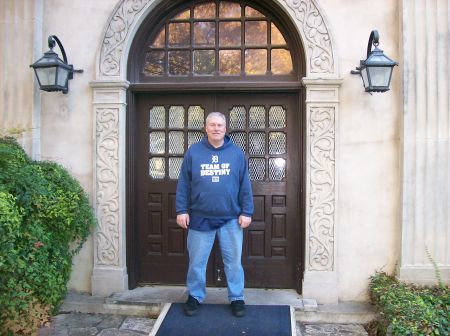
[(266, 127), (272, 134), (166, 125)]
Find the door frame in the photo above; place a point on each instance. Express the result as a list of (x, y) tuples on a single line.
[(322, 83), (132, 226)]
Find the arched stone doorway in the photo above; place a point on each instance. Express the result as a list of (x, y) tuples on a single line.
[(110, 88), (187, 60)]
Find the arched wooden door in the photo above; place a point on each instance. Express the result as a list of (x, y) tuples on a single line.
[(206, 56)]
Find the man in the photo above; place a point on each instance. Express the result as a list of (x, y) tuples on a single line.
[(214, 197)]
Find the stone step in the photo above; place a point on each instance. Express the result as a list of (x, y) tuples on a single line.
[(149, 301), (342, 313)]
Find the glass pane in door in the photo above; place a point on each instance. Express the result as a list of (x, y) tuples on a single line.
[(257, 117), (157, 117), (176, 116), (257, 169), (238, 117), (196, 117)]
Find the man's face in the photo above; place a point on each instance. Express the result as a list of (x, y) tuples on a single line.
[(215, 129)]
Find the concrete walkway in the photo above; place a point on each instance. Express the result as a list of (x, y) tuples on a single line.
[(134, 312)]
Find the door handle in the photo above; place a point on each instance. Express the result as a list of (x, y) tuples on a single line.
[(219, 275)]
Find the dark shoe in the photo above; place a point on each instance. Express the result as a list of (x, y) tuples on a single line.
[(238, 308), (191, 306)]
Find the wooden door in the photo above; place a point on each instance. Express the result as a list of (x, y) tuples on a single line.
[(267, 127)]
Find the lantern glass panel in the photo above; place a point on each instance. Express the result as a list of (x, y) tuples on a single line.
[(380, 76), (47, 76), (63, 75), (364, 77)]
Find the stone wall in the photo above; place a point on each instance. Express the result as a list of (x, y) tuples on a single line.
[(425, 140), (367, 132), (368, 152), (67, 119), (21, 42)]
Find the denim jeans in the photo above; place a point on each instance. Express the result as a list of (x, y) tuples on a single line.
[(200, 243)]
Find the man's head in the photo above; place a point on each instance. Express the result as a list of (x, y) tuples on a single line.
[(215, 128)]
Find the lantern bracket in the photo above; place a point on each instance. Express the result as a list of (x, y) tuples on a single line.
[(374, 39), (51, 45)]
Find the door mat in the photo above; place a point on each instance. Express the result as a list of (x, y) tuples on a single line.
[(218, 320)]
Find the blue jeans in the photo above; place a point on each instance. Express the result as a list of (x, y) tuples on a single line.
[(200, 243)]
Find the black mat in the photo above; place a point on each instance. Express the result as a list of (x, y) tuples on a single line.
[(217, 320)]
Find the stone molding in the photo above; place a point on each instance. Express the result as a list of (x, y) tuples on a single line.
[(117, 36), (322, 98), (321, 205), (107, 185), (322, 109), (109, 101), (315, 36), (126, 15)]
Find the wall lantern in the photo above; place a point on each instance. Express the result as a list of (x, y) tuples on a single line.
[(376, 70), (52, 73)]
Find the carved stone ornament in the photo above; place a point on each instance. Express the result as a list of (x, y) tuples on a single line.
[(315, 33), (107, 166), (322, 188), (321, 156), (116, 34)]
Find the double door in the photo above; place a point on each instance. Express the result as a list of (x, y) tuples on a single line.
[(267, 128)]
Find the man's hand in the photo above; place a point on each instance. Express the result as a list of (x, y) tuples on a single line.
[(244, 221), (183, 220)]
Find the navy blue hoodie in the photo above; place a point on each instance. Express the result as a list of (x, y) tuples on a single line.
[(214, 182)]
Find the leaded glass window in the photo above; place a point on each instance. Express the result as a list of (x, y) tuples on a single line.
[(176, 116), (157, 142), (257, 168), (260, 131), (216, 39), (194, 137), (175, 167), (157, 117), (196, 117), (257, 143), (169, 139), (157, 167), (257, 117), (277, 143), (238, 117), (176, 142), (239, 138), (277, 117), (277, 169)]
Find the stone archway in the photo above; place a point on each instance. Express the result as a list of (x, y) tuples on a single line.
[(322, 103)]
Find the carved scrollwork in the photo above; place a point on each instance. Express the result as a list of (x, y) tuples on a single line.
[(322, 188), (315, 33), (317, 39), (321, 169), (116, 34), (107, 197)]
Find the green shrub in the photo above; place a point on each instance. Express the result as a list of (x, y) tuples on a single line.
[(45, 217), (410, 310)]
